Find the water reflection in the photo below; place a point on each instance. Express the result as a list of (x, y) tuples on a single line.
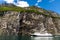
[(20, 37), (56, 37), (24, 37), (10, 37), (38, 38), (46, 38), (42, 38)]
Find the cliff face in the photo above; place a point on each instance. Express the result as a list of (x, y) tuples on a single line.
[(12, 23)]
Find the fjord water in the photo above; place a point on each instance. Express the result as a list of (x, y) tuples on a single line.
[(12, 37)]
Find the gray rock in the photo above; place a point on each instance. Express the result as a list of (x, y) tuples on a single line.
[(13, 23)]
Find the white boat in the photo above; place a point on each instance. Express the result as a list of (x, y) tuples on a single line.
[(39, 34)]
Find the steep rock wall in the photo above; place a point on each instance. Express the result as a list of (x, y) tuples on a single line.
[(14, 23)]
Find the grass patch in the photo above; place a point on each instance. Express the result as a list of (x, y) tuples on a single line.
[(32, 9)]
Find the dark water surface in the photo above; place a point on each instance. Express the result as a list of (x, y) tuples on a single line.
[(13, 37)]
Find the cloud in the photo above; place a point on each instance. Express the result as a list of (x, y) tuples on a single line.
[(22, 4), (39, 1), (36, 4), (18, 3), (51, 0), (9, 1)]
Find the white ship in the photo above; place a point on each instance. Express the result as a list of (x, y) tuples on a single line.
[(42, 35)]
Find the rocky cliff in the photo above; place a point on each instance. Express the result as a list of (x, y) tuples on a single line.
[(28, 22)]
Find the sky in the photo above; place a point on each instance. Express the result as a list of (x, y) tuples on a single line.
[(53, 5)]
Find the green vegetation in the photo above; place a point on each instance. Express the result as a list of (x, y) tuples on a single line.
[(31, 9), (10, 9)]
